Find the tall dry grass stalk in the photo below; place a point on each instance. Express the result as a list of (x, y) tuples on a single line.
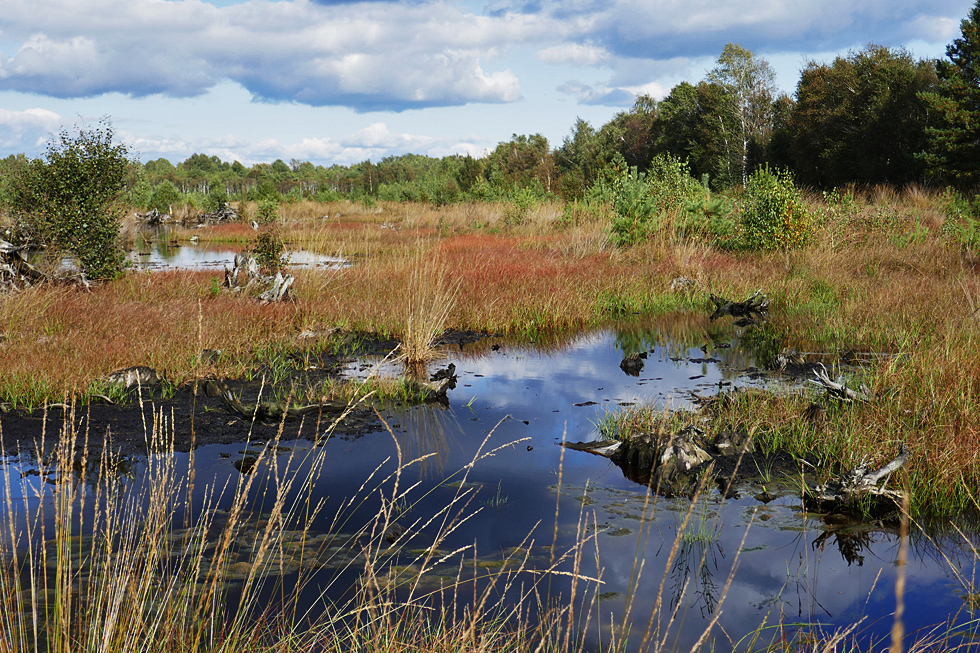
[(94, 559), (426, 306)]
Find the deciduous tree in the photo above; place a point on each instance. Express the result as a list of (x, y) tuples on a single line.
[(861, 119), (71, 197), (751, 85)]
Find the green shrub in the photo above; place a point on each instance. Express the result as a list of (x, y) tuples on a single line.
[(138, 189), (270, 250), (324, 194), (521, 204), (71, 198), (642, 201), (962, 224), (164, 196), (773, 214), (267, 212), (216, 199), (265, 190), (709, 217)]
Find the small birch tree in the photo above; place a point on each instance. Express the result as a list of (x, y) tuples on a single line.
[(751, 85)]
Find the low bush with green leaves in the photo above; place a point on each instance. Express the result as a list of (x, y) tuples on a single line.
[(773, 213), (267, 212), (962, 223), (642, 200), (521, 204), (71, 197), (270, 249), (216, 199), (165, 196)]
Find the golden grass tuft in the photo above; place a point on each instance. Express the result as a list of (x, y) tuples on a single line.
[(425, 308)]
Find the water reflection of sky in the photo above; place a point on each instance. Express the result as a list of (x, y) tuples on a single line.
[(786, 568), (163, 256)]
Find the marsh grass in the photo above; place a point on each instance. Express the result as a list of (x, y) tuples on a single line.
[(883, 273)]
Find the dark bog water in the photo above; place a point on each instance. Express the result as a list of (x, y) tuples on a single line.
[(783, 565)]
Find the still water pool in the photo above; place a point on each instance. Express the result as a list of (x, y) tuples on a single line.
[(739, 563)]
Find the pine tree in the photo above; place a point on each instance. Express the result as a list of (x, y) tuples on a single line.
[(954, 149)]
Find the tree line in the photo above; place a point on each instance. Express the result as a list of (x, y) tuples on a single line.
[(875, 116)]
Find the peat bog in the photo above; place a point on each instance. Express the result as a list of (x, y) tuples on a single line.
[(448, 506)]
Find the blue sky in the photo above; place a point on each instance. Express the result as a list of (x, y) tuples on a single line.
[(331, 81)]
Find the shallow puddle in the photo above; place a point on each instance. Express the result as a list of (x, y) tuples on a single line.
[(741, 559), (160, 255)]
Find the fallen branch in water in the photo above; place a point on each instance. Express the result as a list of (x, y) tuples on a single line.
[(862, 484), (751, 311)]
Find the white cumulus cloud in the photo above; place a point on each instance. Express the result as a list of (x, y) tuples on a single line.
[(27, 129)]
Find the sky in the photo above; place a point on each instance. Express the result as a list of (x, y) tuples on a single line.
[(333, 81)]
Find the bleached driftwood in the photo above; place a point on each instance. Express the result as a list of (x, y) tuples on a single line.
[(280, 286), (15, 271), (837, 388), (668, 465), (859, 483), (245, 275)]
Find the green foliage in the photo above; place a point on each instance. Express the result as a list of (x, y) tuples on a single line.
[(642, 201), (267, 212), (962, 224), (953, 151), (216, 199), (773, 214), (138, 189), (10, 169), (264, 190), (521, 204), (164, 196), (861, 119), (70, 198), (324, 194), (709, 217), (697, 125), (749, 85), (522, 160), (270, 250)]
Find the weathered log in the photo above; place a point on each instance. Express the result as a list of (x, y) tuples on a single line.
[(245, 275), (860, 484), (279, 289), (15, 271), (273, 410), (132, 376), (669, 466), (604, 448), (224, 214), (837, 388), (751, 311)]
